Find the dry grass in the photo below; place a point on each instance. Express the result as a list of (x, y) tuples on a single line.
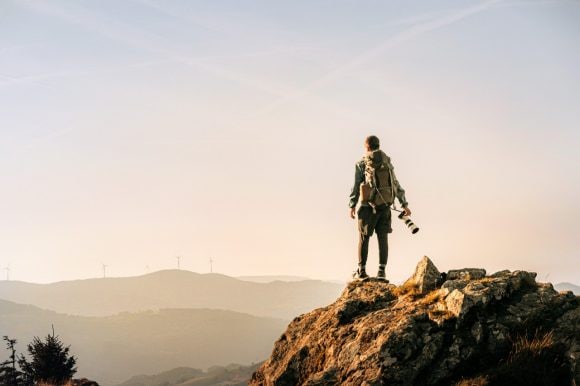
[(69, 383), (478, 381), (533, 360), (533, 346), (432, 297), (407, 288), (440, 316)]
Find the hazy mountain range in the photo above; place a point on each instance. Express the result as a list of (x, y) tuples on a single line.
[(114, 348), (120, 327), (271, 278), (567, 287), (174, 289), (231, 375)]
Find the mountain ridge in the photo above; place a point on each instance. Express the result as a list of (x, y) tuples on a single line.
[(566, 286), (231, 375), (113, 348), (172, 289)]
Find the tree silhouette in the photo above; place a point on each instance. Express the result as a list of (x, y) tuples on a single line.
[(50, 362), (9, 375)]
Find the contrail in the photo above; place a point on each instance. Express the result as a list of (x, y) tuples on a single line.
[(6, 80), (28, 79), (180, 16), (36, 79), (156, 44), (148, 42), (412, 32), (536, 2), (46, 137)]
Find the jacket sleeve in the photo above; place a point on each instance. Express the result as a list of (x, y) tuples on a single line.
[(399, 191), (354, 193)]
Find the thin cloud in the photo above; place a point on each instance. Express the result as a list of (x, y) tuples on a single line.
[(400, 38), (144, 41), (29, 79), (535, 2), (36, 79), (47, 137), (156, 44), (153, 43), (181, 16)]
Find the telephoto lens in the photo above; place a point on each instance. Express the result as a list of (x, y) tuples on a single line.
[(409, 223)]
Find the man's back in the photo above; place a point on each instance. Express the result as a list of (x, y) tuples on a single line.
[(375, 188)]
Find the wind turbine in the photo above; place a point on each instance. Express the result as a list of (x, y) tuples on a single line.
[(7, 269), (211, 265), (178, 262), (104, 270)]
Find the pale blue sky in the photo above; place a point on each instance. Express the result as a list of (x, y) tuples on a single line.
[(132, 131)]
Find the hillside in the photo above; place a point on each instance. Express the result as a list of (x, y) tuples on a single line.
[(112, 349), (567, 287), (217, 375), (271, 278), (173, 289), (464, 328)]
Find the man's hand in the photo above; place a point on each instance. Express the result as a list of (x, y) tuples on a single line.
[(352, 212), (407, 211)]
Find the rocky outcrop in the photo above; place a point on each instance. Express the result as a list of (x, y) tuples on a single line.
[(466, 274), (500, 329)]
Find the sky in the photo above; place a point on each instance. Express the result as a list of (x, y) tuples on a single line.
[(135, 131)]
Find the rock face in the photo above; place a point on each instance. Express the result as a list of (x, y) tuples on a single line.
[(425, 277), (474, 330), (466, 274)]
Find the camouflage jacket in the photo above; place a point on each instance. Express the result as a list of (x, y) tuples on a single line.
[(359, 177)]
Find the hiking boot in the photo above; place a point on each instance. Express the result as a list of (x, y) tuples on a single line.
[(360, 274), (381, 274)]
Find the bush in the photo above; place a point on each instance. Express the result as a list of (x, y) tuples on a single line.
[(50, 362), (9, 374)]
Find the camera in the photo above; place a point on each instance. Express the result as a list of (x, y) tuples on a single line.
[(409, 223)]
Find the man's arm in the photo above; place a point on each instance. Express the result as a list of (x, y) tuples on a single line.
[(355, 192), (400, 192)]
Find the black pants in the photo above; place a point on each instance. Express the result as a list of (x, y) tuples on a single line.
[(363, 249), (370, 221)]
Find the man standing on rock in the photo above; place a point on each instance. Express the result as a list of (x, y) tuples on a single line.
[(376, 186)]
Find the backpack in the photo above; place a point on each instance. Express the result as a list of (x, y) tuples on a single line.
[(377, 188)]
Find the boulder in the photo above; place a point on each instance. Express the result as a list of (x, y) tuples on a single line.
[(466, 274), (426, 276)]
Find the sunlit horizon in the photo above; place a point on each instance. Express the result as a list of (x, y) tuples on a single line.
[(135, 132)]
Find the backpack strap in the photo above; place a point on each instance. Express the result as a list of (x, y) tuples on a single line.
[(392, 189)]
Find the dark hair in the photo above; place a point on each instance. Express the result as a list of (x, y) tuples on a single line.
[(373, 142)]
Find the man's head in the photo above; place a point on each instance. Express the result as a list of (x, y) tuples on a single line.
[(372, 143)]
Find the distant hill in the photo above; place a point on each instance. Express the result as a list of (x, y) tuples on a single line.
[(173, 289), (567, 287), (112, 349), (271, 278), (216, 375)]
